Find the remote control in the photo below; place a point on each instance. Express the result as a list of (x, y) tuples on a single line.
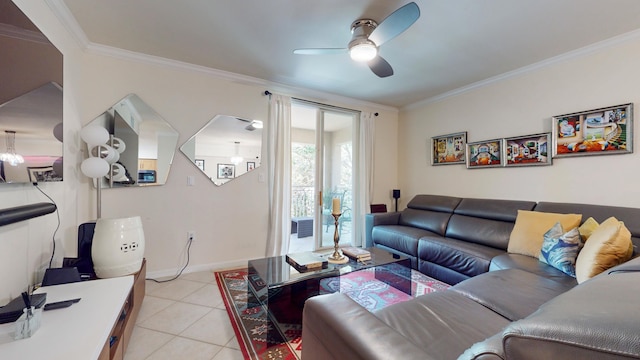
[(60, 304)]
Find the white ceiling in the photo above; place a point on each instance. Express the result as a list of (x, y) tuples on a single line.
[(453, 44)]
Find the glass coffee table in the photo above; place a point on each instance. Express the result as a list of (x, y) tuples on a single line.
[(283, 290)]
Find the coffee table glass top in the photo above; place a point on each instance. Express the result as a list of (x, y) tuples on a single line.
[(276, 272)]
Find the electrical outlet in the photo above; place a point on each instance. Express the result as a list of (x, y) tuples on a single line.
[(191, 235)]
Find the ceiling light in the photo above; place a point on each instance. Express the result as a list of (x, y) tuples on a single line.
[(10, 156), (362, 50), (237, 159), (257, 124)]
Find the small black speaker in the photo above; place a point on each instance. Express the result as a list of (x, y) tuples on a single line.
[(396, 193)]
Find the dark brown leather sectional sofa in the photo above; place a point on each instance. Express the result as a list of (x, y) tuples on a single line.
[(502, 305)]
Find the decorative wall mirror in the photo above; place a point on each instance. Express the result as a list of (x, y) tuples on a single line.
[(225, 148), (31, 148), (146, 143)]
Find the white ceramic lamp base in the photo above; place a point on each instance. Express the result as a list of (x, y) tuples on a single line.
[(117, 248)]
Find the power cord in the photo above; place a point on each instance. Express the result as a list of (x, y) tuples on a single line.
[(53, 239), (181, 270)]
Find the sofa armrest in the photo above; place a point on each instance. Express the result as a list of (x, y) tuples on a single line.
[(371, 220), (336, 327)]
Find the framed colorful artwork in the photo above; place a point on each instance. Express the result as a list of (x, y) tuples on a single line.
[(448, 149), (529, 150), (484, 154), (595, 132)]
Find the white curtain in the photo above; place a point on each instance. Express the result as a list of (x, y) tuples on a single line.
[(364, 175), (279, 160)]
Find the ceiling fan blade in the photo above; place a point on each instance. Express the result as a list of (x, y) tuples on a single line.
[(395, 24), (321, 51), (380, 67)]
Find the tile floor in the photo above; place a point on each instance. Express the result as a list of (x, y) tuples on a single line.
[(186, 319), (183, 319)]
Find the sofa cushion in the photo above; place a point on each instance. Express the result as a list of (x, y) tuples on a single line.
[(437, 203), (560, 249), (401, 238), (461, 256), (609, 245), (600, 213), (587, 227), (595, 320), (425, 219), (512, 293), (532, 265), (443, 323), (527, 235), (487, 232)]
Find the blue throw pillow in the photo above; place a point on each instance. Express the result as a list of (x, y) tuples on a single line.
[(560, 249)]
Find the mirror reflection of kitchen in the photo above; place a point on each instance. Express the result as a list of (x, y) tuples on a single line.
[(149, 143), (225, 148)]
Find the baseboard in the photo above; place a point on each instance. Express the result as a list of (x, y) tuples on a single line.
[(198, 268)]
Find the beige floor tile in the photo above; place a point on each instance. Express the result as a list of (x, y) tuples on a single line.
[(201, 276), (213, 328), (181, 348), (233, 343), (208, 295), (144, 342), (175, 318), (177, 289), (151, 286), (229, 354), (151, 305)]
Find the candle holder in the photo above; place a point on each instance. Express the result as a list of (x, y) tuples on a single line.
[(337, 257)]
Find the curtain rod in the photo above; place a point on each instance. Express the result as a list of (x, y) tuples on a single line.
[(267, 92)]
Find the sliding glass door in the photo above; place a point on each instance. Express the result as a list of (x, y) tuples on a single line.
[(322, 170)]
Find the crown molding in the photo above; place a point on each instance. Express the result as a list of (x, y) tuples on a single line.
[(23, 34), (61, 11), (574, 54)]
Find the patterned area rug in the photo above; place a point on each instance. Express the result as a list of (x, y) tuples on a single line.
[(262, 337)]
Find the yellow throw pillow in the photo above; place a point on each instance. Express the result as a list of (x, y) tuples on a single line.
[(528, 232), (587, 228), (609, 245)]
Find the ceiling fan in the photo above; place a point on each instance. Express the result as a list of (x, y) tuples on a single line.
[(368, 36)]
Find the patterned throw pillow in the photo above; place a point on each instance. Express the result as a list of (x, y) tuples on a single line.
[(560, 249)]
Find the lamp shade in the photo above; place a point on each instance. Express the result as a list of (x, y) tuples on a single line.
[(94, 135), (117, 248), (106, 152), (94, 167)]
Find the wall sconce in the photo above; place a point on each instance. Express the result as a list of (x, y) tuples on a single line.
[(102, 157)]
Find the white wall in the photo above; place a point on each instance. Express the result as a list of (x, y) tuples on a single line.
[(230, 221), (524, 105)]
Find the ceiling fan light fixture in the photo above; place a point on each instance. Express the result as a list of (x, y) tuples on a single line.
[(362, 50)]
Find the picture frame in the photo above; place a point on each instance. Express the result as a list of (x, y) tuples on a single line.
[(604, 131), (42, 173), (527, 150), (484, 154), (251, 165), (449, 149), (226, 171), (199, 163)]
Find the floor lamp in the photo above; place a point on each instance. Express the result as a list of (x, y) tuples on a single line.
[(101, 157)]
